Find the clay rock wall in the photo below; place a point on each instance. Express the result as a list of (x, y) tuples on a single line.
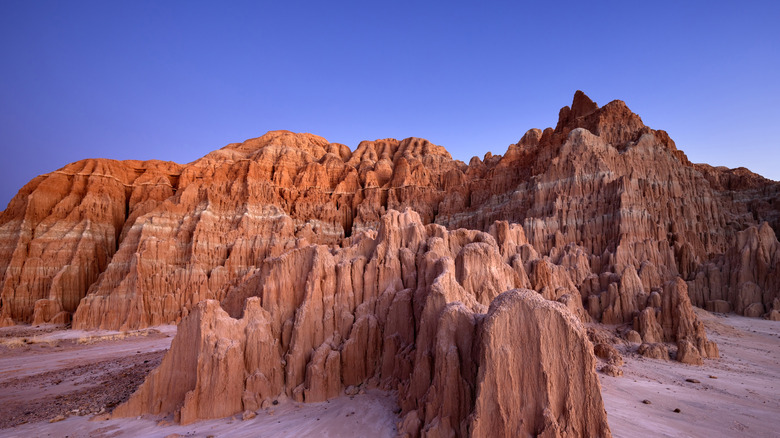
[(400, 310), (60, 231), (555, 391), (745, 280), (247, 202), (128, 245)]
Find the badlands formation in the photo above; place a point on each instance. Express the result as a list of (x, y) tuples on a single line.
[(481, 293)]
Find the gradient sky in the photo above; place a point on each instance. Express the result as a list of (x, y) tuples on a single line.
[(174, 80)]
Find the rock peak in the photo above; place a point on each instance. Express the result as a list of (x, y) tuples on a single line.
[(582, 105), (614, 122)]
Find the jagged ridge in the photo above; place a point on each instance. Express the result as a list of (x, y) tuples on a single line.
[(144, 242)]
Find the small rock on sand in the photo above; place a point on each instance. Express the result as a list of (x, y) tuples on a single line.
[(611, 370), (351, 390)]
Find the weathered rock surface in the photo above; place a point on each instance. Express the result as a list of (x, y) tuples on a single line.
[(293, 273), (554, 393), (601, 204), (368, 315), (669, 317), (745, 279), (654, 351), (62, 229), (608, 353)]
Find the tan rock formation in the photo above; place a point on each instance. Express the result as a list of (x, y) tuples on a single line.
[(745, 279), (688, 353), (146, 241), (611, 370), (633, 337), (519, 325), (608, 353), (672, 320), (293, 273), (654, 351), (362, 316)]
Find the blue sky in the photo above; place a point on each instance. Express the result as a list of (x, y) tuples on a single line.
[(174, 80)]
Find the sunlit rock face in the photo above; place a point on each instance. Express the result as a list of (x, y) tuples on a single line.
[(131, 244), (298, 267), (62, 230)]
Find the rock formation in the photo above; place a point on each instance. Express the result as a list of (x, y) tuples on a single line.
[(60, 232), (415, 308), (746, 279), (133, 244), (292, 272), (552, 394)]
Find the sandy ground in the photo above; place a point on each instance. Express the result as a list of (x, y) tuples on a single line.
[(365, 415), (738, 395), (46, 372)]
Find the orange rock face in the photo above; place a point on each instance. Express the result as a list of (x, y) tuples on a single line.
[(61, 231), (142, 243), (291, 270)]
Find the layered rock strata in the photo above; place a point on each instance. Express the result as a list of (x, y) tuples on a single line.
[(60, 232), (603, 200)]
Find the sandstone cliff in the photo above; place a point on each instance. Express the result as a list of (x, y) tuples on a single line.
[(599, 197)]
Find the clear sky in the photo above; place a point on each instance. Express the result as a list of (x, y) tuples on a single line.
[(174, 80)]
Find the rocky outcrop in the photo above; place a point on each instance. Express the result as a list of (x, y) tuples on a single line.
[(60, 232), (292, 273), (247, 202), (669, 317), (654, 351), (319, 321), (745, 279), (554, 393), (406, 309), (594, 204)]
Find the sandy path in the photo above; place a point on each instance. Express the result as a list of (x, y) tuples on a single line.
[(743, 399), (61, 349)]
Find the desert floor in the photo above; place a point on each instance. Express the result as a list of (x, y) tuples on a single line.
[(48, 373), (738, 395)]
